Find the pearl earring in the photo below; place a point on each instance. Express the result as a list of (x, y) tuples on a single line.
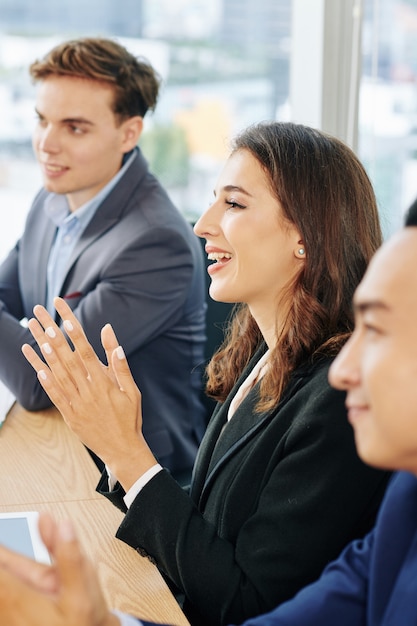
[(301, 251)]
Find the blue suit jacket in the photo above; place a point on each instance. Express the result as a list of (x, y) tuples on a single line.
[(139, 266), (374, 581)]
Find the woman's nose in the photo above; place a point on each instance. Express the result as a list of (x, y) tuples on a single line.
[(208, 224)]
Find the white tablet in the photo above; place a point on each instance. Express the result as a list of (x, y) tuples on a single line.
[(19, 532)]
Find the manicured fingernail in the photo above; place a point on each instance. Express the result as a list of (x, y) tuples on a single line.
[(47, 348), (68, 326), (50, 332), (42, 374), (120, 353)]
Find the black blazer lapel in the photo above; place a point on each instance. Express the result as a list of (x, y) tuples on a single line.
[(205, 451), (237, 429), (245, 424), (215, 426)]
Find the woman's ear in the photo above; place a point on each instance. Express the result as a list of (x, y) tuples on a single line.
[(300, 251)]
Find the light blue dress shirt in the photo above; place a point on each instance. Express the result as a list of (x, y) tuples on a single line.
[(70, 227)]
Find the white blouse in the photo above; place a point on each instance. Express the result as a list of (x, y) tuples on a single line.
[(255, 375)]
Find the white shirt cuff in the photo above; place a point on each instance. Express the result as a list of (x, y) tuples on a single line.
[(137, 486), (126, 620), (140, 483)]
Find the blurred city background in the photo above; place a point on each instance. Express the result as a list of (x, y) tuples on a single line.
[(225, 64)]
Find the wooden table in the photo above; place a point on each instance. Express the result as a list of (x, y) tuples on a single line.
[(45, 467)]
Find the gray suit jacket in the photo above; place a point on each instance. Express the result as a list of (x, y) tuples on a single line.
[(139, 266)]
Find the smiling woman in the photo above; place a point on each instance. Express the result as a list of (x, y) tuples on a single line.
[(277, 489), (299, 208), (255, 246)]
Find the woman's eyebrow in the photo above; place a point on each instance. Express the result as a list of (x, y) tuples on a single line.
[(236, 188)]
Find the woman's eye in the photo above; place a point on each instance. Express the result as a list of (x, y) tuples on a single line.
[(234, 205)]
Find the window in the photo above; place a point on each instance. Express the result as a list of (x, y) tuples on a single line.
[(388, 105), (346, 66), (224, 63), (353, 74)]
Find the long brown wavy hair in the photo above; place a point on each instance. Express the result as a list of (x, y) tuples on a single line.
[(324, 191)]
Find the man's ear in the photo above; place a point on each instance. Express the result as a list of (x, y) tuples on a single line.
[(131, 131)]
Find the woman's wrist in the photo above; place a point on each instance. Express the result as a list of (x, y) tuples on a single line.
[(132, 464)]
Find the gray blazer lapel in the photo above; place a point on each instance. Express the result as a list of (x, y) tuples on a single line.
[(108, 214), (95, 229), (34, 289), (110, 210)]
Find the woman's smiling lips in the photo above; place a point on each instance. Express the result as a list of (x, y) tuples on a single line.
[(220, 258)]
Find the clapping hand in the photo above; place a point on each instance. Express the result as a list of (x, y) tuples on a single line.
[(100, 402)]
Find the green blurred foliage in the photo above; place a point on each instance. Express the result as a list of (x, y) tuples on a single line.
[(165, 147)]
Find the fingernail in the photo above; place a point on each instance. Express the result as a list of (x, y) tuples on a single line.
[(120, 353), (68, 326), (47, 348), (50, 332), (66, 531), (42, 374)]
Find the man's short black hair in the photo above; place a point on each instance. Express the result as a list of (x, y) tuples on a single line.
[(411, 215)]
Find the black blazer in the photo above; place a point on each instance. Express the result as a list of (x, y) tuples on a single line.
[(275, 498), (373, 582)]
